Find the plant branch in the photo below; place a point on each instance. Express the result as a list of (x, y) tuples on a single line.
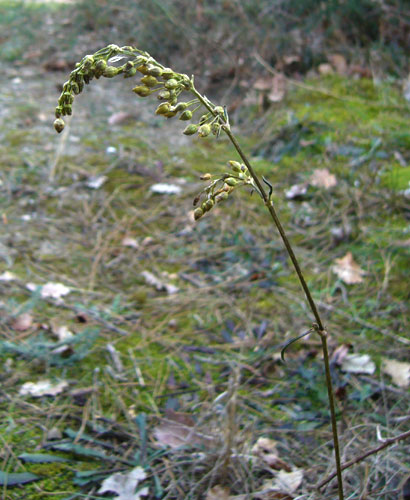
[(360, 458)]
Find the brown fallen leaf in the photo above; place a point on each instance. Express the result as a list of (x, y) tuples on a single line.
[(399, 371), (218, 492), (338, 61), (348, 270), (22, 322), (321, 177), (282, 486), (266, 450), (358, 363)]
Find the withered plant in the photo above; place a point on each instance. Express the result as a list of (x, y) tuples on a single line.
[(205, 119)]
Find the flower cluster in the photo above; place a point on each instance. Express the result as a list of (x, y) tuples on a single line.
[(220, 188), (155, 79)]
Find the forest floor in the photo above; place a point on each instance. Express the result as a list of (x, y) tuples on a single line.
[(162, 350)]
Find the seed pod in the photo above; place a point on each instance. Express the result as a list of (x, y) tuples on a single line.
[(190, 129), (205, 177), (196, 199), (216, 128), (87, 78), (142, 90), (242, 176), (181, 106), (163, 95), (203, 119), (173, 99), (131, 72), (128, 65), (143, 68), (68, 98), (231, 181), (221, 197), (209, 204), (204, 130), (80, 84), (59, 124), (154, 71), (186, 115), (58, 111), (219, 110), (171, 113), (149, 81), (110, 72), (198, 213), (75, 88), (171, 84), (88, 61), (163, 108), (235, 165), (167, 74), (67, 110), (99, 68), (140, 60)]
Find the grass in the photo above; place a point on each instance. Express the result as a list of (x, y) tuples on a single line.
[(211, 350)]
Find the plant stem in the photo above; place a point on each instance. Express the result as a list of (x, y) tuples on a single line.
[(318, 326)]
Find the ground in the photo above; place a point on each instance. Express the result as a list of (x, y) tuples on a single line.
[(78, 209)]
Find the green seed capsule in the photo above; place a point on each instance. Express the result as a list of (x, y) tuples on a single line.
[(219, 110), (143, 68), (163, 95), (181, 106), (209, 204), (171, 113), (216, 128), (75, 88), (110, 72), (163, 108), (99, 68), (171, 84), (231, 181), (59, 124), (154, 71), (131, 72), (67, 110), (203, 119), (173, 99), (87, 78), (221, 197), (167, 74), (128, 65), (88, 61), (204, 130), (235, 165), (149, 81), (186, 115), (68, 98), (58, 111), (142, 90), (198, 213), (190, 129)]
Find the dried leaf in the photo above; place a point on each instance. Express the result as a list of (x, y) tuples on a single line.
[(399, 371), (130, 242), (23, 322), (7, 276), (358, 363), (284, 482), (50, 290), (218, 492), (296, 191), (178, 430), (266, 449), (321, 177), (96, 181), (338, 61), (163, 188), (348, 270), (42, 388), (152, 280), (124, 484)]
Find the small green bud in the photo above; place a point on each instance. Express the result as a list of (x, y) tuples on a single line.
[(99, 68), (128, 65), (204, 130), (110, 72), (205, 177), (163, 95), (88, 61), (181, 106), (143, 68), (242, 176), (219, 110), (171, 113), (68, 98), (163, 108), (171, 84), (216, 128), (140, 60), (221, 197), (167, 74), (190, 129), (67, 110), (154, 71), (203, 119), (130, 72), (231, 181), (186, 115), (75, 88), (142, 90), (235, 165), (208, 204), (87, 78), (173, 99), (149, 81), (58, 111), (59, 124), (198, 213)]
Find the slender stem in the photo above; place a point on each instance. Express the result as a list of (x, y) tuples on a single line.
[(318, 326), (331, 397)]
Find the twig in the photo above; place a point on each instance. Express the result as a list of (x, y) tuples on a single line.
[(358, 459)]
